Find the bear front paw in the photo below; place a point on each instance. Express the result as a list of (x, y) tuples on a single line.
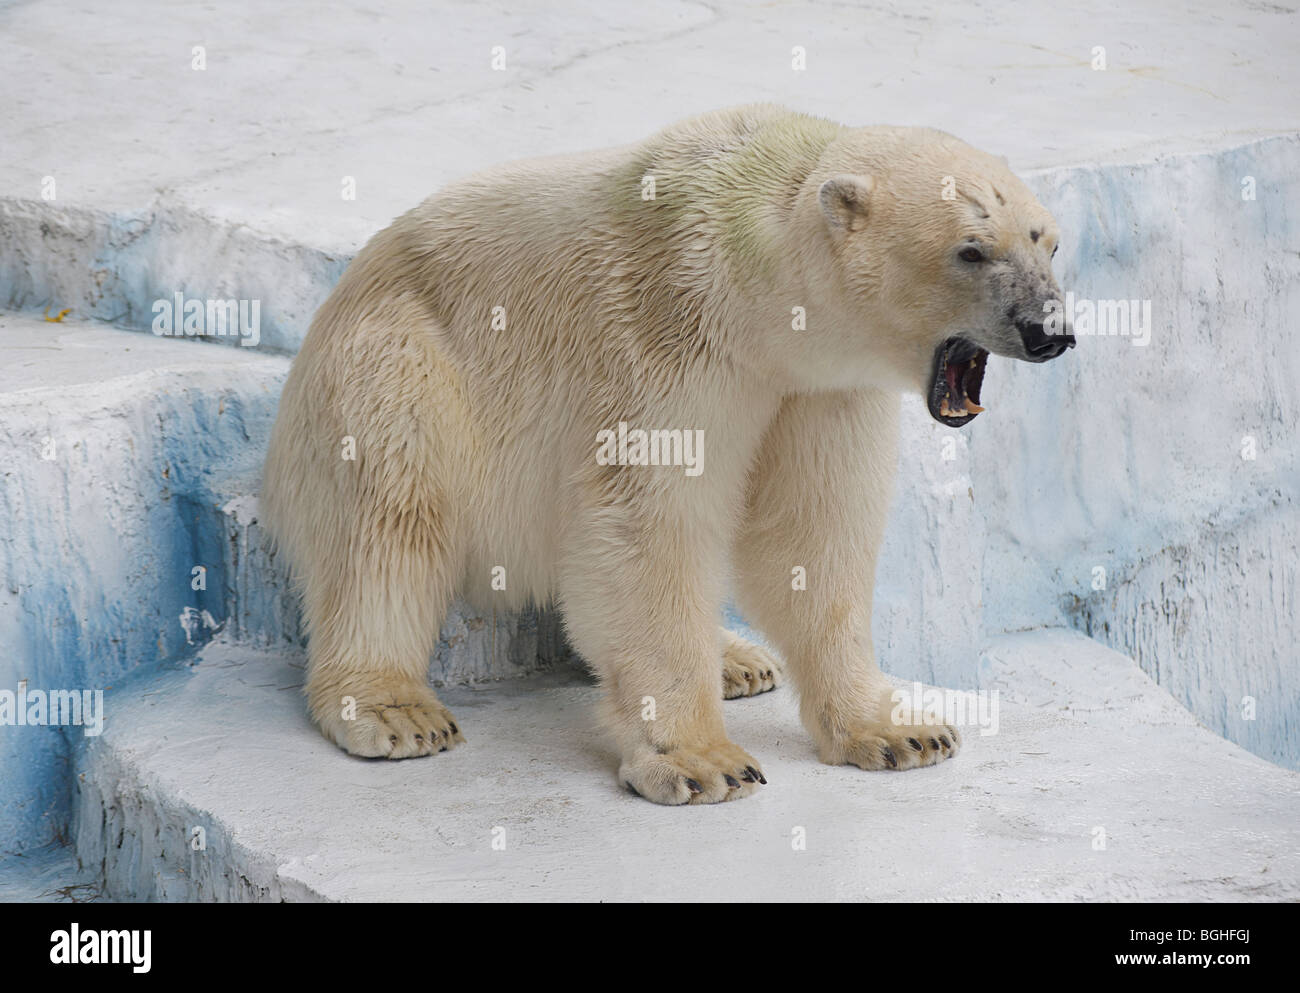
[(894, 747), (403, 720), (712, 773)]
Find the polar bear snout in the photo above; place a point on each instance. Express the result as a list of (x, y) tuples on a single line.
[(1040, 344), (957, 375)]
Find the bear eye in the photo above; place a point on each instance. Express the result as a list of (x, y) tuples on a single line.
[(971, 255)]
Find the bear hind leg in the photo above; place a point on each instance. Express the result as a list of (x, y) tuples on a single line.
[(373, 618), (748, 669)]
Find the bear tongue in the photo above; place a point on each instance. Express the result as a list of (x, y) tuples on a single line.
[(957, 390), (971, 406), (950, 373)]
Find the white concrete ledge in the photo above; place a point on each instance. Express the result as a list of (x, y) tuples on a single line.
[(226, 746), (129, 461), (49, 874)]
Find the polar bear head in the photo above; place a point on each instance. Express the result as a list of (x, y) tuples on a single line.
[(944, 256)]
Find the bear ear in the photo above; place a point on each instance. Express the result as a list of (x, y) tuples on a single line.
[(844, 201)]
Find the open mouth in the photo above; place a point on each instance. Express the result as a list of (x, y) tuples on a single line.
[(955, 387)]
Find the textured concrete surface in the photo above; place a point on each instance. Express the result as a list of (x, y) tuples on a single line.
[(129, 461), (228, 181), (110, 443), (292, 102), (1172, 467), (1093, 752), (49, 874)]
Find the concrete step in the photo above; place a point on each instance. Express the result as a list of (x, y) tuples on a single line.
[(104, 210), (49, 874), (1091, 745), (111, 444), (129, 461)]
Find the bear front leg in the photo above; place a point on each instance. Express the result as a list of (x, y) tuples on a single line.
[(641, 599), (816, 508)]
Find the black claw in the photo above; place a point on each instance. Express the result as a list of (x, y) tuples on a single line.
[(756, 774), (934, 744), (748, 777), (731, 781), (888, 753), (768, 674), (946, 742), (693, 786), (454, 729), (915, 744)]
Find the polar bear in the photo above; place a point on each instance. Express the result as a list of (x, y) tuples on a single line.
[(512, 367)]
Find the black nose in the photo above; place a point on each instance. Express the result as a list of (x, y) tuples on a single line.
[(1041, 346)]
